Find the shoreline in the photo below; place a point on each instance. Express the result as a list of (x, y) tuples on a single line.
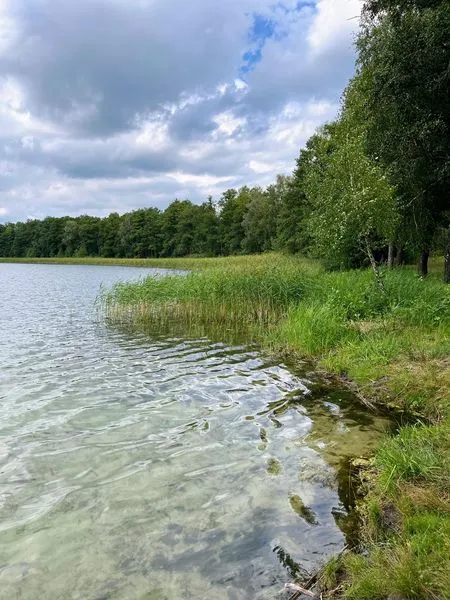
[(393, 353), (189, 263), (94, 261)]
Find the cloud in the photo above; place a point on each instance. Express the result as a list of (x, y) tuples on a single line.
[(116, 104), (334, 21)]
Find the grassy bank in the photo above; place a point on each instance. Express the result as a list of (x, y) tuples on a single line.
[(406, 522), (239, 262), (393, 349)]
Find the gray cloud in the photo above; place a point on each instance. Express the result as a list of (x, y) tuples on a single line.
[(94, 64), (114, 104)]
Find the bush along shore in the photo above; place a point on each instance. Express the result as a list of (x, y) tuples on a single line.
[(392, 347)]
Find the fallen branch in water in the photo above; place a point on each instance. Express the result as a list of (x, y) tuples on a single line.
[(298, 588)]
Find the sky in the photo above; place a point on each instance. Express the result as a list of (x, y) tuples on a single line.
[(113, 105)]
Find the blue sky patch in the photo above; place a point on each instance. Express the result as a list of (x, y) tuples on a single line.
[(264, 28)]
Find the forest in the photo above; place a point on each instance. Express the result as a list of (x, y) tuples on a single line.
[(370, 187)]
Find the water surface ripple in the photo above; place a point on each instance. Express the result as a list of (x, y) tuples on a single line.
[(133, 468)]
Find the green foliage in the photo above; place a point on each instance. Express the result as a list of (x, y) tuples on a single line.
[(233, 206), (393, 345), (395, 350), (370, 185), (136, 234), (247, 297), (177, 229), (245, 220), (351, 199), (260, 219), (413, 568), (395, 7), (109, 232), (378, 176), (293, 212), (403, 59), (313, 328)]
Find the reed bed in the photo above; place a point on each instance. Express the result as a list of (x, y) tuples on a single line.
[(244, 298)]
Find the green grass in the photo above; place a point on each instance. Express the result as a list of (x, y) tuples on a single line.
[(312, 328), (415, 566), (418, 453), (393, 348), (189, 263)]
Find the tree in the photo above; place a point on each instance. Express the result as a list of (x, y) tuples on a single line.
[(292, 231), (140, 233), (125, 236), (150, 241), (206, 232), (183, 240), (403, 57), (6, 239), (71, 237), (372, 8), (260, 220), (49, 236), (109, 236), (21, 240), (178, 226), (89, 228), (352, 201), (233, 206)]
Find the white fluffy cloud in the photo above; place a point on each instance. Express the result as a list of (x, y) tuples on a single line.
[(334, 23), (109, 105)]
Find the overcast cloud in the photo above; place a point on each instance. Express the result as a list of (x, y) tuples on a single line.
[(111, 105)]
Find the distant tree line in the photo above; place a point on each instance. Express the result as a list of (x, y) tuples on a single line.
[(243, 220), (371, 186)]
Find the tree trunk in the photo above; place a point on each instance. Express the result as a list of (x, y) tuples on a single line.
[(423, 264), (375, 268), (398, 257), (390, 260), (447, 260)]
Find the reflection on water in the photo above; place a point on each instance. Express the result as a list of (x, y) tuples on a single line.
[(134, 468)]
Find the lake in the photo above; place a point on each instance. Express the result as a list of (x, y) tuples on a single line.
[(139, 467)]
